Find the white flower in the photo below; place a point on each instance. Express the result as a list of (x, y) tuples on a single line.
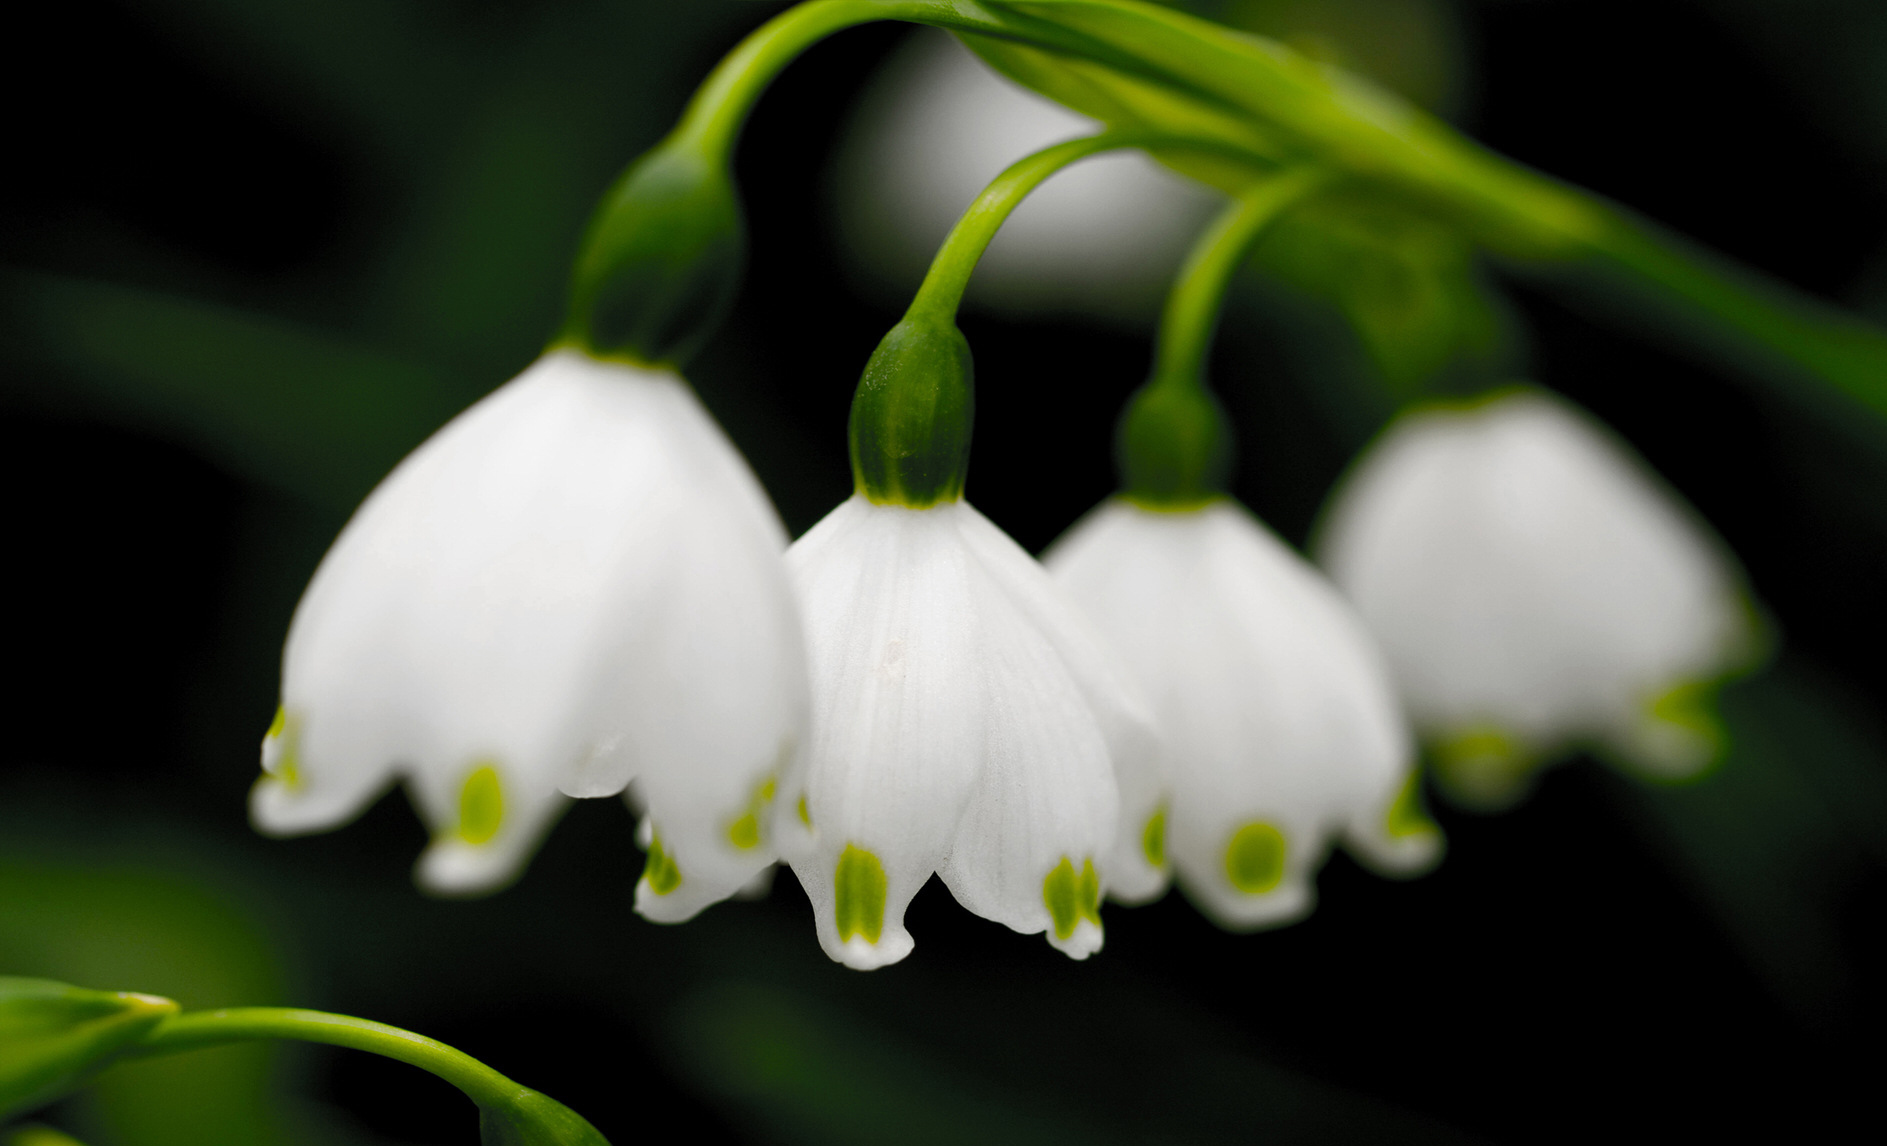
[(575, 583), (1279, 721), (965, 722), (941, 124), (1534, 587)]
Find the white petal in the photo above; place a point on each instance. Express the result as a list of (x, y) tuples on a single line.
[(949, 734), (532, 592), (1529, 580), (1112, 694), (1280, 725), (898, 713), (1047, 795)]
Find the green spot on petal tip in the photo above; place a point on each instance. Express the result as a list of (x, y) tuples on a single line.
[(1071, 898), (660, 872), (859, 900), (1407, 817), (1153, 839), (481, 805), (1254, 860), (744, 832)]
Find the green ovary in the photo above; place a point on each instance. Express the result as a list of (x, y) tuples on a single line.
[(1070, 898), (1153, 839), (859, 895), (481, 805), (1254, 861), (660, 872)]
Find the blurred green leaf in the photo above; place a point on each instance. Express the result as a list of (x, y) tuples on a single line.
[(1040, 1071), (1407, 285), (277, 403), (164, 934), (1775, 837), (54, 1035), (536, 1120), (37, 1135)]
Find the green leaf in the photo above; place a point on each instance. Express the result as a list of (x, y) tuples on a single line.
[(1407, 284), (536, 1120), (1795, 814), (286, 406), (67, 910), (54, 1036)]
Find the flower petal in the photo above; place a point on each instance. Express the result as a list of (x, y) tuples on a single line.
[(898, 714), (1280, 725), (1529, 579)]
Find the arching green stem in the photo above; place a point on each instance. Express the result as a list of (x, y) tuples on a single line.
[(508, 1112), (480, 1083), (720, 105), (949, 274), (1192, 307), (1174, 443), (914, 407)]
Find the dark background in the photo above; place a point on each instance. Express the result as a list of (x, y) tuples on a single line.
[(369, 207)]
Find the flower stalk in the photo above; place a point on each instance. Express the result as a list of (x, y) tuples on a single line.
[(1173, 446)]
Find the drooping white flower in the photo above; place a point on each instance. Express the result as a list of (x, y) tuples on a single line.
[(575, 583), (1535, 587), (966, 722), (1280, 724), (941, 124)]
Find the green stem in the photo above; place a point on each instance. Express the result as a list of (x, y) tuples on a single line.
[(1728, 311), (480, 1083), (1192, 307), (950, 270), (720, 105)]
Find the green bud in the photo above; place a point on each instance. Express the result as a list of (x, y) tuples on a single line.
[(54, 1036), (662, 259), (533, 1119), (910, 428), (1173, 446)]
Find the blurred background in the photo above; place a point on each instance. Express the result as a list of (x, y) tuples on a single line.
[(254, 250)]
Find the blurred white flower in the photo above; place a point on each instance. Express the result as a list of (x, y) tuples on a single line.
[(965, 722), (577, 582), (1102, 237), (1535, 588), (1279, 721)]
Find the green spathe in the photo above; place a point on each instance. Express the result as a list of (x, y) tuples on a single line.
[(662, 259), (54, 1036), (1172, 446), (911, 415)]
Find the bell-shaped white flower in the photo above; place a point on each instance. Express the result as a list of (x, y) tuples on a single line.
[(575, 583), (941, 124), (966, 721), (1279, 721), (1534, 587)]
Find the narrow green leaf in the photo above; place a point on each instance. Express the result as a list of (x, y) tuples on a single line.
[(54, 1036), (284, 405)]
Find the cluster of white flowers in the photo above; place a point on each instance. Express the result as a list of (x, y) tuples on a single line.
[(577, 588)]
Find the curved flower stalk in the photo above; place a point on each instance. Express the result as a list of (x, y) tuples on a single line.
[(966, 721), (940, 123), (574, 584), (1535, 588), (1280, 723)]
